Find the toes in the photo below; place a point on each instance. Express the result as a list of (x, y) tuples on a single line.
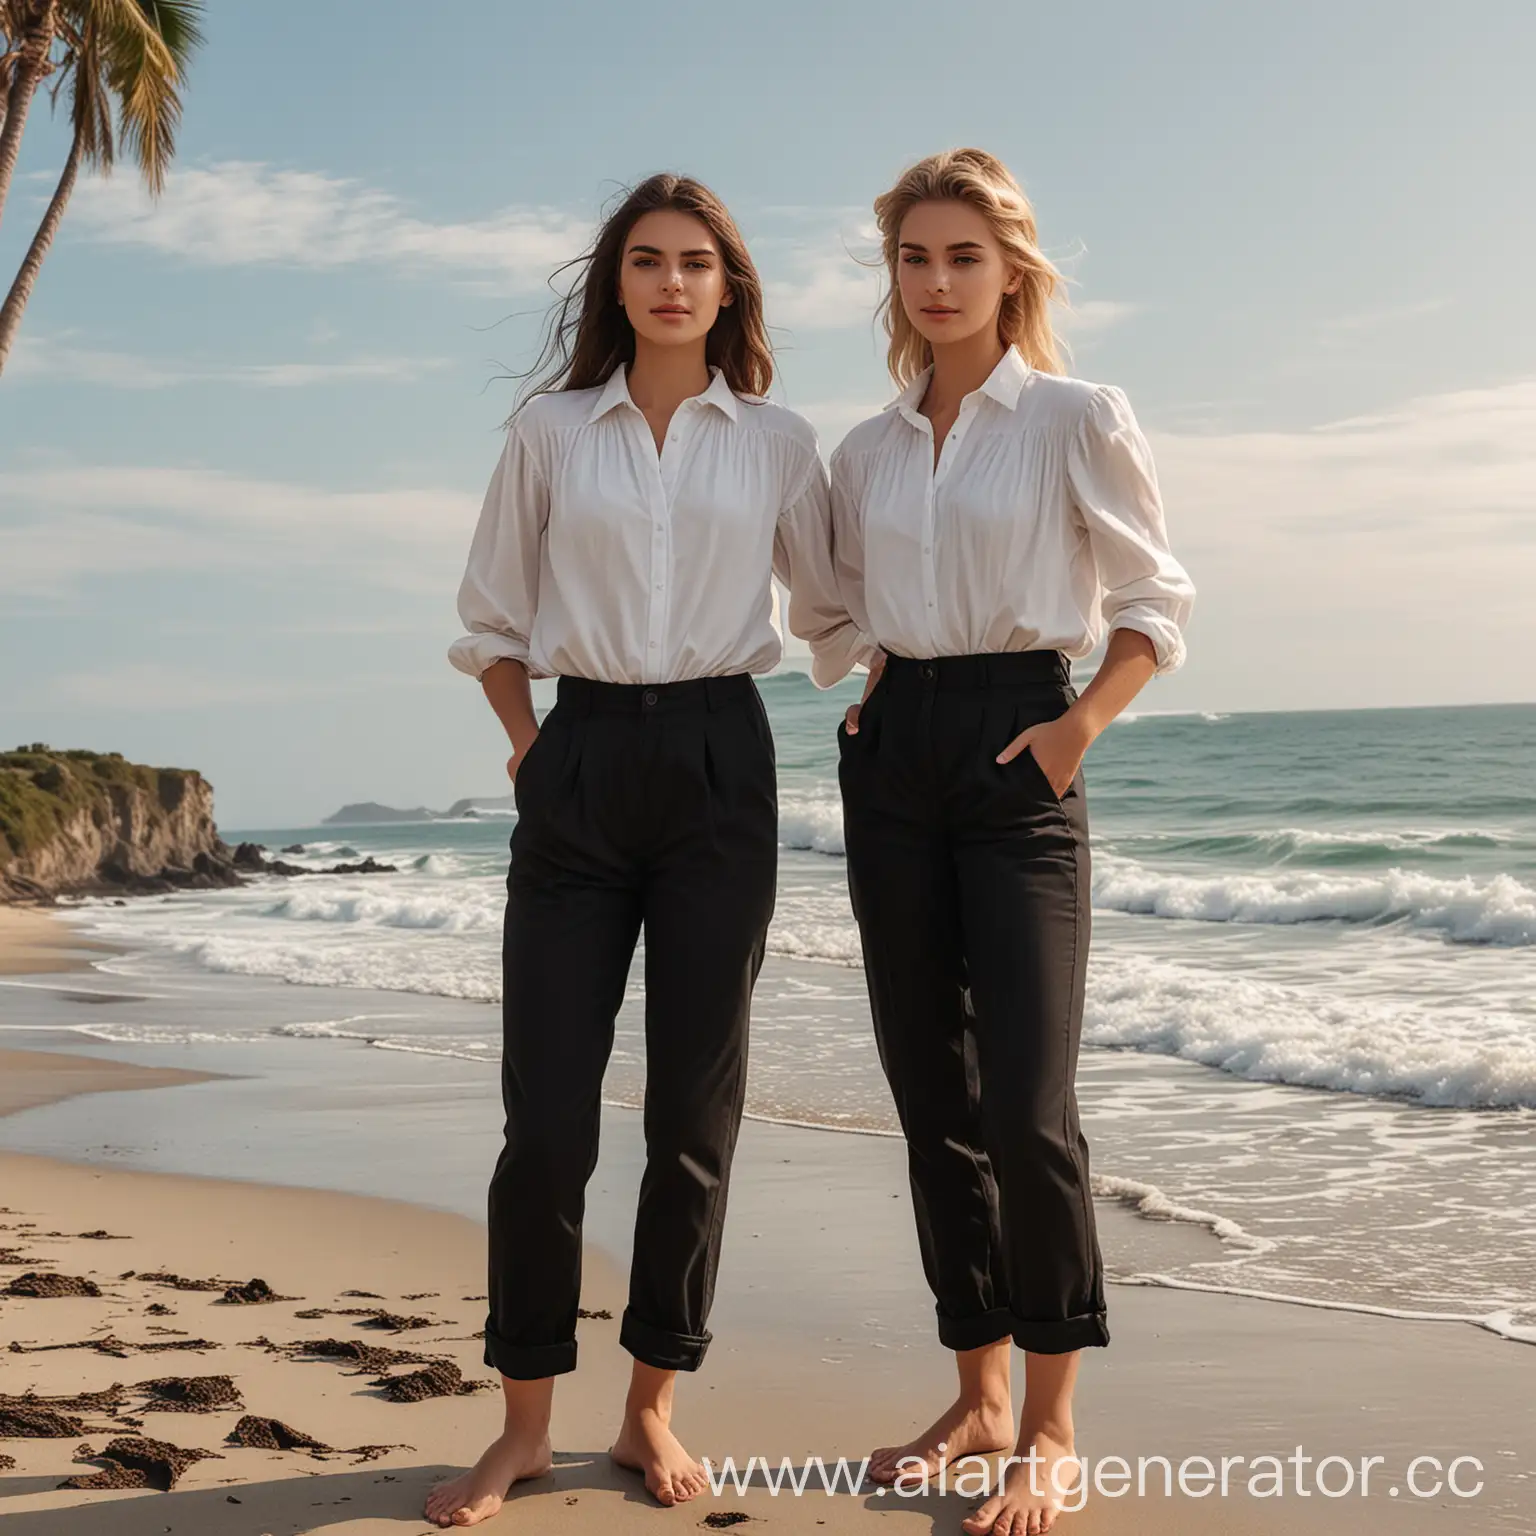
[(985, 1519), (663, 1491)]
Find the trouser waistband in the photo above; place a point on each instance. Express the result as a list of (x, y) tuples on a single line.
[(998, 669), (583, 696)]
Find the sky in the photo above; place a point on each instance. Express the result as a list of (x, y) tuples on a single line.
[(246, 429)]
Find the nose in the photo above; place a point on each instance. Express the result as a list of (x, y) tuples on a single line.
[(673, 281)]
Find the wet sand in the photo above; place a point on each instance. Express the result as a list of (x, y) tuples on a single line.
[(33, 939)]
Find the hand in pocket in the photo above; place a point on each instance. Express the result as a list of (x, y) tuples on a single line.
[(1057, 747)]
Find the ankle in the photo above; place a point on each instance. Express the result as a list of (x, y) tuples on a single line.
[(1055, 1425), (522, 1431), (647, 1410), (988, 1404)]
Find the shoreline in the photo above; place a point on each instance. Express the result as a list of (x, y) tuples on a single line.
[(36, 940), (1168, 1250)]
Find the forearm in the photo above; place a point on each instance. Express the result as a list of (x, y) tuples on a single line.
[(510, 693), (1130, 660)]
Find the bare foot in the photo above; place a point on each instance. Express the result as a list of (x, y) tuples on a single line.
[(965, 1428), (1041, 1474), (509, 1458), (647, 1445)]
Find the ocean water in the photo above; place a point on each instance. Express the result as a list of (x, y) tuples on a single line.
[(1311, 1019)]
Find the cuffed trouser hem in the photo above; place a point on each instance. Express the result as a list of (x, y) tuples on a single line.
[(1061, 1337), (659, 1348), (978, 1331), (529, 1362)]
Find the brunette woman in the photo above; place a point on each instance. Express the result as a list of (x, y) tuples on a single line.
[(645, 499), (989, 526)]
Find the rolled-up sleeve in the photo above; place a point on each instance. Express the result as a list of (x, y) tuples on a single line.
[(1114, 485), (499, 595), (804, 559)]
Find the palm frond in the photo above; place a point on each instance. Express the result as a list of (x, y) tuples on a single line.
[(133, 53)]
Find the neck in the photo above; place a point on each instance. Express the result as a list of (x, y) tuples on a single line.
[(661, 378), (959, 367)]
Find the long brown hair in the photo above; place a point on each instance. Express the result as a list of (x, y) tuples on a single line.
[(588, 335), (982, 180)]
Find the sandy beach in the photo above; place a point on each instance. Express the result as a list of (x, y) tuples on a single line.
[(796, 1370), (33, 939)]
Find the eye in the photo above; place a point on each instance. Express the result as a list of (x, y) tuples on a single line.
[(912, 259), (645, 261), (966, 261)]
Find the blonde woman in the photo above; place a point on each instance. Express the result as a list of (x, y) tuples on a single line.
[(989, 527)]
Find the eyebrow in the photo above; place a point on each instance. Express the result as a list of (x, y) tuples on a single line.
[(652, 250), (959, 245)]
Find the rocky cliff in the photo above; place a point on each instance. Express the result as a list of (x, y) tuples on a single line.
[(91, 821)]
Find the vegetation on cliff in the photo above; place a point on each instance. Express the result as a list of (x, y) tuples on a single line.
[(42, 791), (79, 822)]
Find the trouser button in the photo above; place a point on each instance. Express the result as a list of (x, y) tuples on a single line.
[(927, 670), (650, 696)]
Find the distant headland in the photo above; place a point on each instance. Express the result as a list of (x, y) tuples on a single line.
[(370, 812)]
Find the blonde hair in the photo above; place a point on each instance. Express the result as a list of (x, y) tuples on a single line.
[(982, 180)]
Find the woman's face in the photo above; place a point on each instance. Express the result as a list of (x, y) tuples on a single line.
[(951, 271), (672, 280)]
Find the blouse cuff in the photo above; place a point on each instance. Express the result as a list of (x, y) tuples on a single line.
[(1166, 636), (832, 662), (477, 654)]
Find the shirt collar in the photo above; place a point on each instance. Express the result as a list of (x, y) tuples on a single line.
[(616, 392), (1004, 384)]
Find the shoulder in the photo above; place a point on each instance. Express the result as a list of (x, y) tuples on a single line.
[(864, 438), (554, 411), (1074, 403), (778, 421)]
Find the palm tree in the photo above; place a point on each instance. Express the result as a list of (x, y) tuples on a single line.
[(27, 28), (123, 62)]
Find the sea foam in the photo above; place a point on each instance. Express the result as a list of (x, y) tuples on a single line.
[(1461, 1056), (1467, 909)]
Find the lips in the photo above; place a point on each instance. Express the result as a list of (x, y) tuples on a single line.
[(670, 309)]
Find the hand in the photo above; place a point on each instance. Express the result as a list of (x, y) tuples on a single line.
[(520, 750), (851, 719), (1056, 745)]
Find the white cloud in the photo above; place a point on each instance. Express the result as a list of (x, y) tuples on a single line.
[(823, 289), (1092, 317), (834, 419), (1347, 328), (1386, 558), (240, 213), (147, 686), (61, 360), (94, 521)]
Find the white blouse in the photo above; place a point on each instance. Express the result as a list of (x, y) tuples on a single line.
[(596, 557), (1040, 525)]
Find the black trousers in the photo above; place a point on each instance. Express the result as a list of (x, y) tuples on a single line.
[(970, 883), (649, 808)]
